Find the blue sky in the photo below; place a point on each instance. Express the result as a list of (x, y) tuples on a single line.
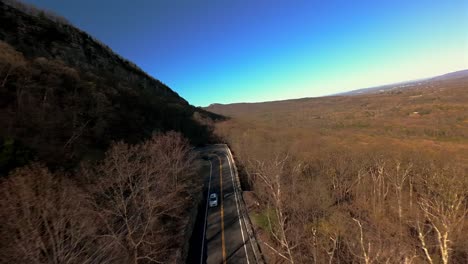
[(225, 51)]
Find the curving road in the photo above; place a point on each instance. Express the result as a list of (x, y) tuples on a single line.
[(220, 235)]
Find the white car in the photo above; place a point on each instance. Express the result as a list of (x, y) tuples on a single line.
[(213, 200)]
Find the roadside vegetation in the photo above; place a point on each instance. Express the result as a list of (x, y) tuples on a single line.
[(131, 207), (362, 179), (96, 157)]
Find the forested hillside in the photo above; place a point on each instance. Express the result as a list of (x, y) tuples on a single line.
[(97, 160), (379, 178), (64, 96)]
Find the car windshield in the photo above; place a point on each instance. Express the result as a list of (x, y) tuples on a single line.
[(213, 197)]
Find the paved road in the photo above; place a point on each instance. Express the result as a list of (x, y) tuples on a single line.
[(220, 235)]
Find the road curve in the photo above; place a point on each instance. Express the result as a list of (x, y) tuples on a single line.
[(220, 235)]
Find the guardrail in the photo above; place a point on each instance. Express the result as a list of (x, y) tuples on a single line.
[(243, 207)]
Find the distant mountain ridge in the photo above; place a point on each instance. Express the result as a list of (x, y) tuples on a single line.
[(434, 83), (377, 89), (452, 75)]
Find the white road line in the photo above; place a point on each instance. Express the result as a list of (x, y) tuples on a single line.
[(206, 213), (237, 205)]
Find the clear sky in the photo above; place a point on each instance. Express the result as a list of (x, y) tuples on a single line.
[(224, 51)]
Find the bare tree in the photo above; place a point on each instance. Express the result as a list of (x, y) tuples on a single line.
[(133, 194), (44, 219), (444, 209), (380, 187), (333, 239), (398, 180), (340, 172), (366, 248), (174, 155), (271, 175)]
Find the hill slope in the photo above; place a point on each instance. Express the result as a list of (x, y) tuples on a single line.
[(64, 96), (463, 74), (65, 99)]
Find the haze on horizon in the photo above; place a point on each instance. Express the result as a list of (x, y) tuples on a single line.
[(212, 51)]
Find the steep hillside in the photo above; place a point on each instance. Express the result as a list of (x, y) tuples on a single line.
[(64, 96), (42, 36), (96, 157)]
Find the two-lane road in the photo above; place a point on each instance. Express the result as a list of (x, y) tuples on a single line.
[(222, 237)]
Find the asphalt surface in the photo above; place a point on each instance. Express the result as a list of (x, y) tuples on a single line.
[(220, 234)]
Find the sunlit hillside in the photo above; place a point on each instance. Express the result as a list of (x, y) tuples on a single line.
[(374, 177), (433, 115)]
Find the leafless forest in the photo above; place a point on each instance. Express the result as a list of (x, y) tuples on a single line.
[(366, 179), (131, 207), (91, 170)]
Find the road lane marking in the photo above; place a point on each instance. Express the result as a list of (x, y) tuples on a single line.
[(238, 214), (206, 212), (222, 208)]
